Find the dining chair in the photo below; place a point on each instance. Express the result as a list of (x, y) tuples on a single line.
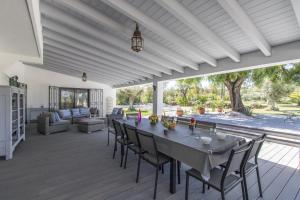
[(131, 140), (150, 155), (110, 128), (205, 124), (224, 180), (183, 120), (250, 167), (119, 138)]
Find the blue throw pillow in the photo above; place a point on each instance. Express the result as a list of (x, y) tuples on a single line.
[(64, 113), (57, 118), (75, 112), (52, 118), (115, 111), (120, 111), (84, 111)]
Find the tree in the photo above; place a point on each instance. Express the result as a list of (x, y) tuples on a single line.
[(233, 83), (130, 94), (184, 86), (274, 91), (147, 95)]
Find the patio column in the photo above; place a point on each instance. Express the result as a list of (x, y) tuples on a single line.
[(158, 91)]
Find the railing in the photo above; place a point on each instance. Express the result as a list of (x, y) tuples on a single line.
[(274, 136)]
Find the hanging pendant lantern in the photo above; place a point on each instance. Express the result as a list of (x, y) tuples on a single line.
[(137, 42), (84, 77)]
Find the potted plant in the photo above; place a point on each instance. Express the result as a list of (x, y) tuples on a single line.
[(220, 106), (179, 112), (200, 103)]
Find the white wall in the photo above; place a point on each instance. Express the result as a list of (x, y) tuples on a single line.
[(39, 80)]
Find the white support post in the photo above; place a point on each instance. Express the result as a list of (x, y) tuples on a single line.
[(158, 92)]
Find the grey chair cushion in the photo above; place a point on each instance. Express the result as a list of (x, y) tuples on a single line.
[(215, 177)]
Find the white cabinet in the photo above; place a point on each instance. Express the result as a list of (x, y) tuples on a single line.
[(12, 119)]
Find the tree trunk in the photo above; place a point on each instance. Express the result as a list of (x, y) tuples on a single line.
[(234, 89)]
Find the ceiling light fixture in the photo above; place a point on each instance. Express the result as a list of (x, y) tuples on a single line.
[(137, 42), (84, 77)]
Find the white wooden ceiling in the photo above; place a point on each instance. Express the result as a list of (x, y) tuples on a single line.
[(93, 36)]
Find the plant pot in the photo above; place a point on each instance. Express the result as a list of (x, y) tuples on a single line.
[(179, 113), (220, 109), (201, 111)]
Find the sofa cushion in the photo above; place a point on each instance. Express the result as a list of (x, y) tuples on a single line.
[(57, 118), (84, 111), (52, 118), (75, 112), (65, 114)]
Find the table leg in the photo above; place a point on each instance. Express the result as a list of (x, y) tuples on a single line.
[(172, 176)]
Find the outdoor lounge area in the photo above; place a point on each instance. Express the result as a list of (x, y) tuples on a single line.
[(150, 99)]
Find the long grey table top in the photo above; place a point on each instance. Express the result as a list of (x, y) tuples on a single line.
[(183, 144)]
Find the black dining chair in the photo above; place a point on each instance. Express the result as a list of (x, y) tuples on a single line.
[(183, 120), (224, 180), (119, 138), (205, 124), (150, 154), (131, 141), (250, 167)]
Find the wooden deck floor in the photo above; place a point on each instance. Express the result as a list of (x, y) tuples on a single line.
[(75, 166)]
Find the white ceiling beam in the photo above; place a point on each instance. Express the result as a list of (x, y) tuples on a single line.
[(98, 17), (245, 23), (54, 54), (296, 7), (101, 63), (80, 70), (81, 67), (51, 52), (133, 13), (77, 48), (146, 61), (186, 17), (65, 51), (101, 46), (73, 73)]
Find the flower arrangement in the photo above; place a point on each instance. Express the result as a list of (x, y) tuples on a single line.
[(153, 119), (169, 123), (192, 123)]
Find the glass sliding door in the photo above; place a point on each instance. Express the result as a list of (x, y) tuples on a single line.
[(81, 98), (67, 97)]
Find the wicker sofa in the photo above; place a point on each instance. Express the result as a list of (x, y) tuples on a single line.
[(46, 126)]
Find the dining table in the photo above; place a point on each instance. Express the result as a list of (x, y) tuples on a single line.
[(185, 145)]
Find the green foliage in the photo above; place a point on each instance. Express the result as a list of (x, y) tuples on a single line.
[(248, 111), (274, 91), (295, 97), (136, 94)]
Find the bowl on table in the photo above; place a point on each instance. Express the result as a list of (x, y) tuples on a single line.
[(221, 136), (206, 140)]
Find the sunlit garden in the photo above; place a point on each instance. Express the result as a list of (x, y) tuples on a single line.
[(268, 91)]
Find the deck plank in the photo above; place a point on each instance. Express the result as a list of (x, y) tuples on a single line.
[(78, 166)]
